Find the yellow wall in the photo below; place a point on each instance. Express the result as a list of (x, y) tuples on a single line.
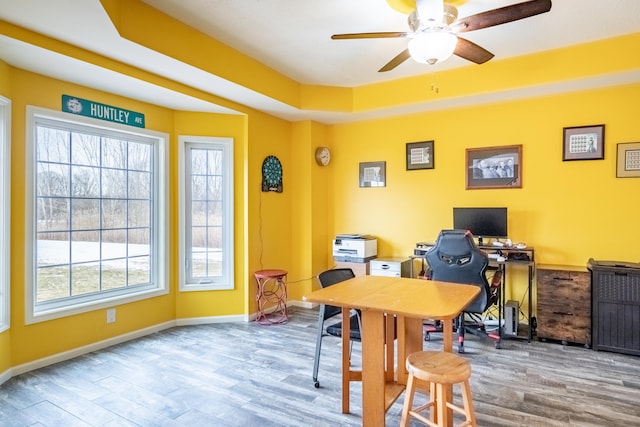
[(569, 211), (269, 214), (25, 343), (30, 342), (5, 337), (227, 302), (311, 212)]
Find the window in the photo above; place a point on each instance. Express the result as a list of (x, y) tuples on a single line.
[(206, 212), (98, 215), (5, 197)]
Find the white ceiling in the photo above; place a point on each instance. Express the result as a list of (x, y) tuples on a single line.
[(293, 36), (290, 36)]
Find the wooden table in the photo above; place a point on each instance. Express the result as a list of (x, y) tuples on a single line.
[(381, 299)]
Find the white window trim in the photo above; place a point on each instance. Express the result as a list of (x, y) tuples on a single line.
[(5, 212), (228, 265), (161, 198)]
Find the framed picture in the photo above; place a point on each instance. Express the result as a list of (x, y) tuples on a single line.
[(373, 174), (494, 167), (628, 160), (583, 143), (420, 155)]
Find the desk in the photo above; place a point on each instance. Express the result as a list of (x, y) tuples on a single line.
[(380, 298), (512, 255), (530, 265)]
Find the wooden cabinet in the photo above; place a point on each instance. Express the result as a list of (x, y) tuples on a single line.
[(359, 268), (564, 304)]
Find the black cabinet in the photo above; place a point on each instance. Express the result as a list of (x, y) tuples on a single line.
[(615, 306)]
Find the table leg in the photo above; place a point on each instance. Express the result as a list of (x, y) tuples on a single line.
[(447, 327), (389, 344), (346, 360), (409, 341), (446, 392), (373, 374), (530, 302)]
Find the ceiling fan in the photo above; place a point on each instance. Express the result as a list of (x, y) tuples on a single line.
[(435, 27)]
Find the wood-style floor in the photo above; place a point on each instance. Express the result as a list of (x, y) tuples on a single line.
[(244, 374)]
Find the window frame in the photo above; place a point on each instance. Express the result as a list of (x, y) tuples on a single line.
[(5, 213), (160, 209), (226, 281)]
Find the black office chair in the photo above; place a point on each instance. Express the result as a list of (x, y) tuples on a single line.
[(456, 258), (328, 278)]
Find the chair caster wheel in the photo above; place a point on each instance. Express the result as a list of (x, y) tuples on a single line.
[(460, 350), (316, 384), (498, 345)]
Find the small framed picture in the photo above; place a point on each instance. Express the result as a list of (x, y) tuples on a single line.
[(494, 167), (373, 174), (583, 143), (420, 155), (628, 160)]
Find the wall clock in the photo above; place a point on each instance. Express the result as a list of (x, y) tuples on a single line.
[(323, 156), (272, 174)]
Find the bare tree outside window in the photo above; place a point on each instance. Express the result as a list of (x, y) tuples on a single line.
[(206, 212), (94, 198)]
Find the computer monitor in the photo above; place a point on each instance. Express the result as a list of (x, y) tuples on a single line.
[(482, 222)]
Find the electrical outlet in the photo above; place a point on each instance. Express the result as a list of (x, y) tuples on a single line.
[(111, 315)]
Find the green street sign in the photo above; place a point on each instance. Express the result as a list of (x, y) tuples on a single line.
[(96, 110)]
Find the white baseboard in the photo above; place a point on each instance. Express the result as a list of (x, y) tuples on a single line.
[(302, 304), (5, 376), (209, 320), (70, 354), (79, 351)]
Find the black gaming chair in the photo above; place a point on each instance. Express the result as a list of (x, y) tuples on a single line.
[(328, 278), (456, 258)]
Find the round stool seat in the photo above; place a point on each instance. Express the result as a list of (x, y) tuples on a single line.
[(438, 367), (270, 274), (440, 370)]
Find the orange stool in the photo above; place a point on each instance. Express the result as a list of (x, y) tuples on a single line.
[(439, 369), (272, 289)]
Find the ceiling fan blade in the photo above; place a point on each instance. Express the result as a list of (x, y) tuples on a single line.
[(502, 15), (399, 59), (471, 51), (379, 35)]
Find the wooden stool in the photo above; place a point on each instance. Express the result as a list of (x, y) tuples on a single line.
[(440, 369)]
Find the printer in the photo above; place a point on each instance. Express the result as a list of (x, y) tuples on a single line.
[(355, 247)]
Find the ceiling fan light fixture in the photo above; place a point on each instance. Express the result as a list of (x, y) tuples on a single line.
[(432, 47)]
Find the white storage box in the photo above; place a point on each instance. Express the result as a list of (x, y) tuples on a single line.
[(393, 267)]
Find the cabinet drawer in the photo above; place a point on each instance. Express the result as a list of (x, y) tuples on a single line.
[(565, 280), (565, 327), (394, 267), (571, 308), (564, 287), (564, 305)]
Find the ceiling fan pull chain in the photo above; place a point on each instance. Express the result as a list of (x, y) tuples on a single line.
[(435, 88), (430, 12)]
